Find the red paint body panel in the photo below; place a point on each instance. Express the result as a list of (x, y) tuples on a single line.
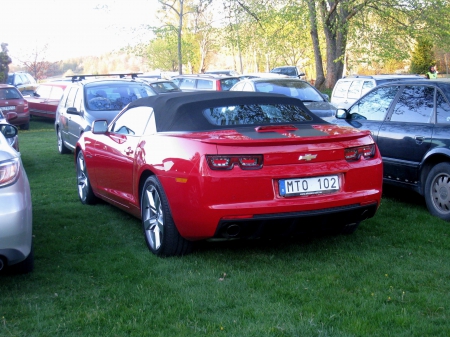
[(200, 197)]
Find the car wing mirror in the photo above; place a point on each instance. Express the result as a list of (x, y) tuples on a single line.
[(8, 130), (341, 113), (72, 111), (326, 97), (99, 127), (301, 74)]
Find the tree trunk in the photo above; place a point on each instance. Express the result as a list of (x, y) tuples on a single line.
[(320, 77)]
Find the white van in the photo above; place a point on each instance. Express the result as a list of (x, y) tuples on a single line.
[(348, 89)]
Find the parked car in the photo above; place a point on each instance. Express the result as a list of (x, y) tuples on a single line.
[(16, 223), (13, 141), (228, 165), (45, 99), (22, 81), (261, 74), (312, 98), (163, 86), (14, 106), (348, 89), (226, 72), (410, 121), (88, 98), (205, 82), (291, 71)]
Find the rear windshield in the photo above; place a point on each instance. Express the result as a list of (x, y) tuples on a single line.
[(227, 83), (9, 93), (256, 114)]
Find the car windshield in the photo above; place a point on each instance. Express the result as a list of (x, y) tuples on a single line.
[(115, 96), (256, 114), (296, 89), (9, 93)]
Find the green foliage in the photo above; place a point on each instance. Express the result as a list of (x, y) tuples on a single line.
[(5, 60), (422, 57)]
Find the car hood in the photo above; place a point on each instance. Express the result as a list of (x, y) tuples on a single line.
[(321, 109)]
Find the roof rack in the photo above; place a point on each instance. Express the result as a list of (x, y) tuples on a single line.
[(76, 78)]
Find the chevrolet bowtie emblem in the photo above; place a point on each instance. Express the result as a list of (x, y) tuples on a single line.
[(308, 157)]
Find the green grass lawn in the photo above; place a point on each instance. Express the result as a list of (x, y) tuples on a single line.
[(94, 275)]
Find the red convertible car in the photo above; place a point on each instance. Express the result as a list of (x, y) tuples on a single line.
[(199, 165)]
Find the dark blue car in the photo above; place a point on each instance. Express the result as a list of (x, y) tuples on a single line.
[(410, 121)]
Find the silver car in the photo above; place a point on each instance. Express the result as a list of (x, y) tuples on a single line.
[(16, 223), (312, 98)]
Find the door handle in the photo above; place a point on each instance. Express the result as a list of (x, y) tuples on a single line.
[(419, 139)]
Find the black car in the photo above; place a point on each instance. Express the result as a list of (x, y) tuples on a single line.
[(91, 97), (410, 121)]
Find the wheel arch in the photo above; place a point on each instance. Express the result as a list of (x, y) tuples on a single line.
[(431, 159), (142, 179)]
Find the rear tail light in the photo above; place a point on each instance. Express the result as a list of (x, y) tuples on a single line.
[(25, 106), (355, 153), (9, 171), (219, 86), (227, 162)]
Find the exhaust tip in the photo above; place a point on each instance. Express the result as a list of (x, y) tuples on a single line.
[(233, 230)]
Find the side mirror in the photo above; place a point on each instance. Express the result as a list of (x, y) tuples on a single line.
[(326, 97), (301, 74), (72, 111), (99, 127), (341, 114), (8, 130)]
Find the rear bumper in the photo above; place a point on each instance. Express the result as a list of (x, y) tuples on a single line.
[(282, 224)]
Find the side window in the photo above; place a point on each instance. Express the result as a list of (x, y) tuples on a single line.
[(31, 79), (133, 121), (375, 105), (78, 100), (71, 97), (247, 87), (442, 109), (56, 93), (187, 83), (25, 79), (341, 89), (367, 85), (43, 91), (415, 105), (354, 91), (204, 84)]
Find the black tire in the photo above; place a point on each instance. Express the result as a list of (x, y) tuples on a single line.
[(25, 126), (161, 234), (437, 191), (26, 266), (84, 188), (61, 147)]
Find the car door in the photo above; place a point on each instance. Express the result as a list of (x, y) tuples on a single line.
[(406, 135), (76, 122), (114, 156), (369, 112)]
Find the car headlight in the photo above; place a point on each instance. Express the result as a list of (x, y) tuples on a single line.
[(9, 171)]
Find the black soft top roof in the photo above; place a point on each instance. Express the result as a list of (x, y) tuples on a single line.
[(183, 111)]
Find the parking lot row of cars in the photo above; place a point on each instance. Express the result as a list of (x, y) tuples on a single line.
[(263, 151)]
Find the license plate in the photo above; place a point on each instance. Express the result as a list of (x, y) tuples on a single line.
[(305, 186), (7, 108)]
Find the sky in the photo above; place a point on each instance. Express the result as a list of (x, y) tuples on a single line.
[(73, 28)]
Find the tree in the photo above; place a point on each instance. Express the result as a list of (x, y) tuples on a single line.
[(5, 61), (36, 64), (422, 57)]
